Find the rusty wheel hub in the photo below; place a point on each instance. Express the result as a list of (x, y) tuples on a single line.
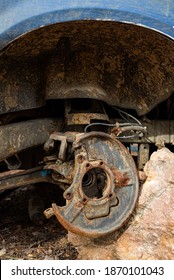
[(104, 186)]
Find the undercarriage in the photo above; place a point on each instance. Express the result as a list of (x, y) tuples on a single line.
[(90, 150), (82, 108)]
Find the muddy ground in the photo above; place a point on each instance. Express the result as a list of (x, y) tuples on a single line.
[(22, 239)]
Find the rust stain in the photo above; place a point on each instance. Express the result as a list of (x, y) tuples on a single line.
[(121, 178), (70, 227)]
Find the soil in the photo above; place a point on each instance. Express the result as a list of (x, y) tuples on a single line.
[(20, 238)]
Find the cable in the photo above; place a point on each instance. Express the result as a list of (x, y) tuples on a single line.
[(130, 116), (126, 137), (125, 126), (148, 140), (94, 124), (137, 125), (109, 125)]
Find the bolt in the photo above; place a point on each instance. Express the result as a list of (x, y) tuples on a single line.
[(68, 196), (80, 158), (78, 205), (87, 165)]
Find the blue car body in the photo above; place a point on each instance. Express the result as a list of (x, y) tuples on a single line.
[(18, 17)]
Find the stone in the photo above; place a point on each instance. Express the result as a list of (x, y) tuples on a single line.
[(151, 233)]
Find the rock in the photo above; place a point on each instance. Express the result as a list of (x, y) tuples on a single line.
[(161, 165), (142, 176), (150, 233)]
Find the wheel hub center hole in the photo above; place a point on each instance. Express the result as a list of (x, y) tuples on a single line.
[(94, 183)]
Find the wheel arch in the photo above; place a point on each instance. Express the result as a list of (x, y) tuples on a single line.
[(144, 81)]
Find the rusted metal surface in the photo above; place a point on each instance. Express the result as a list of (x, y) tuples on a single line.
[(57, 137), (122, 64), (122, 177), (82, 118), (103, 164), (49, 213), (63, 171), (84, 111), (6, 174), (20, 178), (117, 130), (20, 136), (159, 132), (143, 156)]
